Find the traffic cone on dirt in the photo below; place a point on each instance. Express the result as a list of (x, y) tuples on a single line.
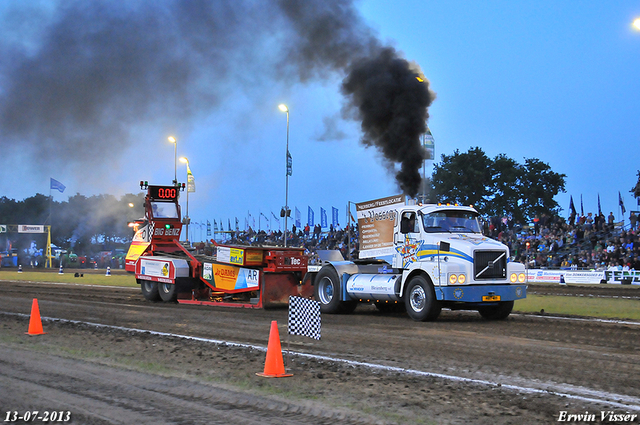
[(20, 268), (35, 324), (60, 270), (108, 273), (274, 365)]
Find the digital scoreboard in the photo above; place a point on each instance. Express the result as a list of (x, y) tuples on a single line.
[(165, 193)]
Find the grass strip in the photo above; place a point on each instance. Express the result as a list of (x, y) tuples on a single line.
[(88, 278), (605, 308)]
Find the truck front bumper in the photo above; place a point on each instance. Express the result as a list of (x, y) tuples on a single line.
[(481, 293)]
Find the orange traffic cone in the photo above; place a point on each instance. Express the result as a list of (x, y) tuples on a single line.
[(35, 324), (274, 365)]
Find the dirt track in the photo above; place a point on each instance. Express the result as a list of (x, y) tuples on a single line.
[(107, 375)]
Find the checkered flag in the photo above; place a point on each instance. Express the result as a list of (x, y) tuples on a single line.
[(304, 317)]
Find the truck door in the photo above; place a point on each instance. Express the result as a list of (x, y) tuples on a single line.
[(407, 239)]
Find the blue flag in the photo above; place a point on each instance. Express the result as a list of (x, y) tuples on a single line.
[(55, 184), (323, 218), (289, 164), (572, 207), (334, 217), (310, 217)]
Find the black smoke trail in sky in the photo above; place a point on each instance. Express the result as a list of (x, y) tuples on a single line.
[(392, 100), (77, 78)]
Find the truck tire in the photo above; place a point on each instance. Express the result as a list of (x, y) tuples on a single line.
[(149, 290), (327, 292), (497, 312), (167, 292), (420, 300)]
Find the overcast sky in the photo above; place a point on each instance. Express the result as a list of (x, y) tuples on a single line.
[(90, 91)]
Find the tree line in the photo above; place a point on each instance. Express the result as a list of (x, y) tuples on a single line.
[(83, 224), (497, 187)]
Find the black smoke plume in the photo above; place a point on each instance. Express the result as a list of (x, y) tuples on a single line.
[(392, 101), (390, 95), (78, 77)]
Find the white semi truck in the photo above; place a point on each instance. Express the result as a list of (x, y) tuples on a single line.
[(425, 257)]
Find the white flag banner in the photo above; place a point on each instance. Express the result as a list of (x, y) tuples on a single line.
[(191, 181)]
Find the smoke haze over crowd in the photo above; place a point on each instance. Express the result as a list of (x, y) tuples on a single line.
[(93, 71)]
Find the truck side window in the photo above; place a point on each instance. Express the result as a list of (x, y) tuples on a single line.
[(408, 223)]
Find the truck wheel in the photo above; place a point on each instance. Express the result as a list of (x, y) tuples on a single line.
[(167, 292), (420, 300), (327, 292), (497, 312), (149, 290)]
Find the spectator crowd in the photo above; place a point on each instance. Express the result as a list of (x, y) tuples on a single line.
[(583, 242)]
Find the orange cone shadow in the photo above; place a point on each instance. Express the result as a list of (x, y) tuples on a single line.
[(35, 324), (274, 365)]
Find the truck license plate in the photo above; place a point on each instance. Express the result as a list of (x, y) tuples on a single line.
[(491, 298)]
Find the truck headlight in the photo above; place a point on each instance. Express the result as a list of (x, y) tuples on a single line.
[(457, 278), (513, 278), (522, 277)]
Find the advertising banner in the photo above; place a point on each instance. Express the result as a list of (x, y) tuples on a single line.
[(570, 276), (156, 268), (376, 220), (28, 228), (229, 277), (161, 269), (230, 255)]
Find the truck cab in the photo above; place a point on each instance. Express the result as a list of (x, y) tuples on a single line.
[(425, 257)]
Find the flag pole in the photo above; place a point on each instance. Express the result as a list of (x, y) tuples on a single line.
[(49, 230)]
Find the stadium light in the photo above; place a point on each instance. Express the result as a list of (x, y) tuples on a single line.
[(284, 108), (175, 159)]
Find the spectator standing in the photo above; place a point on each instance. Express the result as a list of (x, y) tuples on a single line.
[(588, 222), (611, 220)]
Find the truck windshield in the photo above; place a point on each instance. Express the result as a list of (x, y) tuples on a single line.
[(164, 209), (454, 221)]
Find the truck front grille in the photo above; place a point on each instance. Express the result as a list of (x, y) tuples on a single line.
[(490, 265)]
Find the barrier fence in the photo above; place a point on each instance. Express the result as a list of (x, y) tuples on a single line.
[(624, 277)]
